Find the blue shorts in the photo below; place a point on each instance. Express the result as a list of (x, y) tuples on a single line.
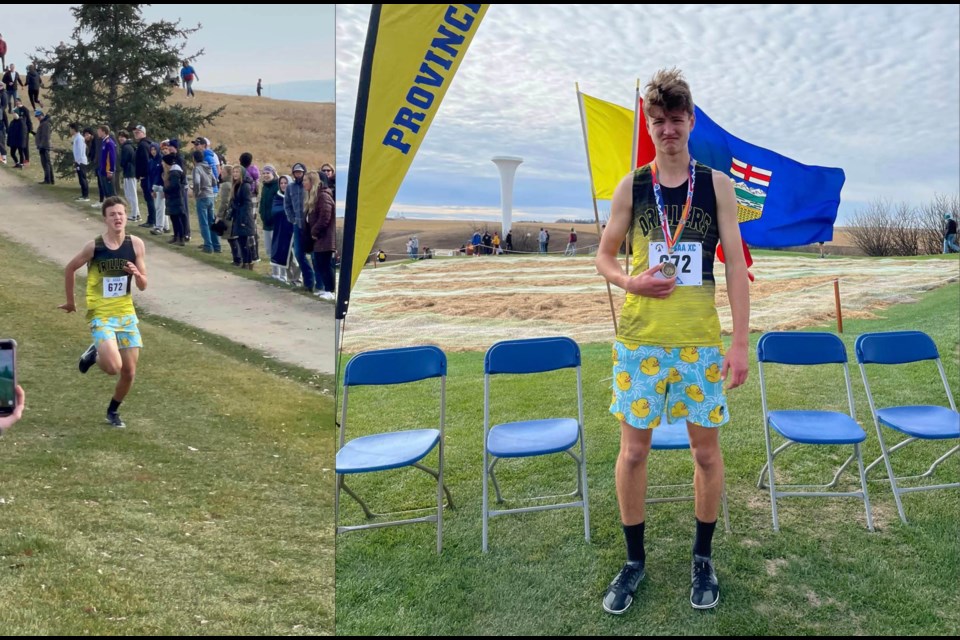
[(123, 329), (654, 385)]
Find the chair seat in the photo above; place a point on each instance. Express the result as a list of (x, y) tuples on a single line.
[(672, 435), (386, 450), (931, 423), (532, 437), (817, 427)]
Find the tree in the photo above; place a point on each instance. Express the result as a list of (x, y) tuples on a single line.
[(115, 72)]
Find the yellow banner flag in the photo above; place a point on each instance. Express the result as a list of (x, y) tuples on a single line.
[(412, 54), (608, 133)]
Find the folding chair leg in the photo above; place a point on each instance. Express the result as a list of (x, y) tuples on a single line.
[(370, 515), (893, 480), (493, 479), (437, 477), (485, 511), (336, 503), (863, 485), (773, 489), (582, 481), (440, 491)]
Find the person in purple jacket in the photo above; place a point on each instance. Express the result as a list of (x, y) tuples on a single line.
[(108, 160)]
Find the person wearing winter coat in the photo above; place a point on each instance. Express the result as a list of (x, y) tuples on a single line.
[(34, 82), (42, 138), (321, 219), (128, 167), (269, 189), (173, 195), (294, 210), (241, 214), (203, 182), (155, 187), (281, 252), (16, 139)]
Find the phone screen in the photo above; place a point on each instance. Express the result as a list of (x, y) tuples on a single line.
[(8, 378)]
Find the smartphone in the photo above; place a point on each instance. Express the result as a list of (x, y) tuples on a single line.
[(8, 377)]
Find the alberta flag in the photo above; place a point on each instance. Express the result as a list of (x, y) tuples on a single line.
[(780, 202)]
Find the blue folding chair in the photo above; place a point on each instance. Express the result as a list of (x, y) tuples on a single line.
[(917, 422), (396, 449), (809, 427), (530, 438), (670, 436)]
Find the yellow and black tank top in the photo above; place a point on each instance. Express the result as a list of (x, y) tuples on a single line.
[(109, 292), (688, 317)]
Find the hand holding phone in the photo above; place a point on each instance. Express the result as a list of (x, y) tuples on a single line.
[(8, 379)]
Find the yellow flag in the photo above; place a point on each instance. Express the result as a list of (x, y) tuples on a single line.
[(608, 132), (412, 53)]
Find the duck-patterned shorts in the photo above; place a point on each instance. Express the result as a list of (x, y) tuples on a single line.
[(655, 385), (123, 329)]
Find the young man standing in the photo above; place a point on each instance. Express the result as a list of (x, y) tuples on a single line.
[(128, 167), (114, 262), (80, 161), (142, 173), (44, 146), (106, 163), (667, 360)]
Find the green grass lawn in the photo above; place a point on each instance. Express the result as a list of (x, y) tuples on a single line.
[(824, 573), (209, 514)]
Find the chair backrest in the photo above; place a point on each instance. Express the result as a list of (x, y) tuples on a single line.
[(534, 355), (895, 347), (395, 366), (801, 348)]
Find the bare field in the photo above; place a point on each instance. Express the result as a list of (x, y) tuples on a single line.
[(470, 303)]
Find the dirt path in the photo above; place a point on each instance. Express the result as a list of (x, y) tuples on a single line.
[(292, 328)]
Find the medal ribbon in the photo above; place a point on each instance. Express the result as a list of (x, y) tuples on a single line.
[(664, 223)]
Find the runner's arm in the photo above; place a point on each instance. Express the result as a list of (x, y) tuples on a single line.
[(621, 213), (70, 272), (738, 285), (138, 269)]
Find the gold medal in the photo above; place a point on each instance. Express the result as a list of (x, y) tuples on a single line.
[(669, 269)]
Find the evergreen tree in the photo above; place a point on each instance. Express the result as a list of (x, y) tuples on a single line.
[(115, 71)]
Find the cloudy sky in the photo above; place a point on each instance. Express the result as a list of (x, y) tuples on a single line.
[(873, 90), (281, 43)]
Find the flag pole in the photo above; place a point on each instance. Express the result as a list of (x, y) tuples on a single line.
[(593, 195), (633, 166)]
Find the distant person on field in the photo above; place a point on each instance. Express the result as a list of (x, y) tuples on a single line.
[(11, 79), (571, 249), (16, 139), (259, 87), (34, 83), (382, 257), (128, 166), (3, 52), (188, 74), (542, 238), (950, 235), (44, 146), (508, 241), (19, 107), (822, 254)]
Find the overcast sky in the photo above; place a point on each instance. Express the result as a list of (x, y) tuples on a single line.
[(874, 90), (277, 42)]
